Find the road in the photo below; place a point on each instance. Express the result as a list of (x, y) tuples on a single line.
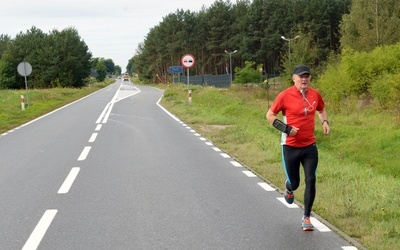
[(115, 170)]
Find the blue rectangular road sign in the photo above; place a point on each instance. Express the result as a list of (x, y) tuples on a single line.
[(175, 69)]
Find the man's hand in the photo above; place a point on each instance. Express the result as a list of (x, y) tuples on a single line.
[(326, 128), (293, 131)]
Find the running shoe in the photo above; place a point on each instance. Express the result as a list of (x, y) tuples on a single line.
[(289, 196), (306, 224)]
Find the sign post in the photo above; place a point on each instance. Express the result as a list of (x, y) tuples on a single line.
[(175, 70), (187, 62), (25, 69)]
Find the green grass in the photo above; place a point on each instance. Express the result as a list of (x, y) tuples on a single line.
[(41, 101), (358, 175)]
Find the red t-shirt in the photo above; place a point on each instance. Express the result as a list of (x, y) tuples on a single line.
[(298, 112)]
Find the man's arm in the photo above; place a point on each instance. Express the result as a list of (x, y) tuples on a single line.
[(323, 116), (272, 118)]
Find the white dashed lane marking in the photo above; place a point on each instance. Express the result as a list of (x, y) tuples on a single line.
[(36, 236), (282, 200), (266, 187), (236, 164), (93, 137), (69, 181), (249, 173), (318, 225), (225, 155), (98, 127), (217, 149), (84, 153)]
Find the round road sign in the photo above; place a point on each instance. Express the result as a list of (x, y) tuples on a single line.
[(188, 60), (24, 69)]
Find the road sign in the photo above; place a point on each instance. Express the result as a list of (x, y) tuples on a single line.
[(24, 69), (188, 61), (175, 69)]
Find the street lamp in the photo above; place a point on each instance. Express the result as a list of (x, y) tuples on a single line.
[(289, 40), (230, 62)]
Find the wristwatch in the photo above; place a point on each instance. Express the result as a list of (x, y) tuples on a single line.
[(327, 122)]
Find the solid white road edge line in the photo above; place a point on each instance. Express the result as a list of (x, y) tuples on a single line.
[(69, 181), (37, 235), (166, 111)]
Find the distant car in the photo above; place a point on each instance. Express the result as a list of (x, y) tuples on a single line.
[(119, 77), (126, 77)]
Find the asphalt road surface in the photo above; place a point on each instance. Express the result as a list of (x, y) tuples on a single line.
[(115, 170)]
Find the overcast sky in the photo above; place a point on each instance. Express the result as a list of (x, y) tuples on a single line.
[(111, 29)]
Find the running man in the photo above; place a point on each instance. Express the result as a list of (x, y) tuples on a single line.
[(298, 105)]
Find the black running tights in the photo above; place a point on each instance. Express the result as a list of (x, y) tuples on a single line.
[(308, 157)]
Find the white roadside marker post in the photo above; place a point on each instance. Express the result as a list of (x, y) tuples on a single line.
[(22, 102)]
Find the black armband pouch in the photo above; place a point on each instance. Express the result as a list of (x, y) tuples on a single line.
[(282, 126)]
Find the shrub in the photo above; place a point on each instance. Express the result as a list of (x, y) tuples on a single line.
[(248, 74), (363, 74), (386, 91)]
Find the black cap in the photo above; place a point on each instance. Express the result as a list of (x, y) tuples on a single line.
[(301, 70)]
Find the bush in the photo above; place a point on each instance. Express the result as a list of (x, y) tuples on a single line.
[(248, 74), (363, 74), (386, 91)]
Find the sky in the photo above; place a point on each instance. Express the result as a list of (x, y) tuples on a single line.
[(111, 29)]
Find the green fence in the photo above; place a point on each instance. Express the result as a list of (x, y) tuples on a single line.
[(218, 81)]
